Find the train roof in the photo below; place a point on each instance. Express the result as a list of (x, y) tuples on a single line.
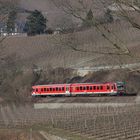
[(71, 84), (51, 85)]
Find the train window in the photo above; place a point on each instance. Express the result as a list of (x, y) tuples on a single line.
[(101, 87), (112, 87), (42, 89), (80, 88), (87, 88), (50, 89), (98, 87), (77, 88), (90, 87), (36, 90), (57, 89), (120, 86), (108, 87), (84, 88), (45, 89), (94, 87), (62, 88)]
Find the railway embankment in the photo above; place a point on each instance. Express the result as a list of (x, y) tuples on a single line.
[(78, 105), (86, 102)]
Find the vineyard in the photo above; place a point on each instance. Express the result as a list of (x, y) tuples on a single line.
[(101, 123), (56, 50)]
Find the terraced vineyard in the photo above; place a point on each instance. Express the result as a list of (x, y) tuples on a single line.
[(95, 123), (56, 50)]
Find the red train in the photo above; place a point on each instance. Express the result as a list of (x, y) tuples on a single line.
[(73, 89)]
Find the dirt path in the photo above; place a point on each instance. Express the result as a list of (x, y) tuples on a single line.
[(50, 137), (78, 105), (83, 71)]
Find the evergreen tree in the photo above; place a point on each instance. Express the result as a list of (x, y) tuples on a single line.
[(89, 15), (36, 23), (89, 19), (11, 21)]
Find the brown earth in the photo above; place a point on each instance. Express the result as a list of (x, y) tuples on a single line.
[(14, 134)]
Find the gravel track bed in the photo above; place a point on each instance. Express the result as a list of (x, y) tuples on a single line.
[(106, 99)]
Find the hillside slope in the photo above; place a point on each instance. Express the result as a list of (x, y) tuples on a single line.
[(56, 50), (53, 58)]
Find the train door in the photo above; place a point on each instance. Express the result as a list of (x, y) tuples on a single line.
[(109, 90), (67, 90), (39, 90), (112, 88)]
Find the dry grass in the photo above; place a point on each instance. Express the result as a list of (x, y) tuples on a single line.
[(57, 52), (15, 134)]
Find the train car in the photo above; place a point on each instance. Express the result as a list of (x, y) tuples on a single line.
[(74, 89), (96, 88), (54, 89)]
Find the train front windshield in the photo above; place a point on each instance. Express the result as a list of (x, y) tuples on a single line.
[(121, 86)]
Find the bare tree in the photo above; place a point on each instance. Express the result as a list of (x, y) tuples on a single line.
[(80, 8), (133, 6)]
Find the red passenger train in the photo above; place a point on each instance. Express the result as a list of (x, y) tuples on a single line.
[(73, 89)]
